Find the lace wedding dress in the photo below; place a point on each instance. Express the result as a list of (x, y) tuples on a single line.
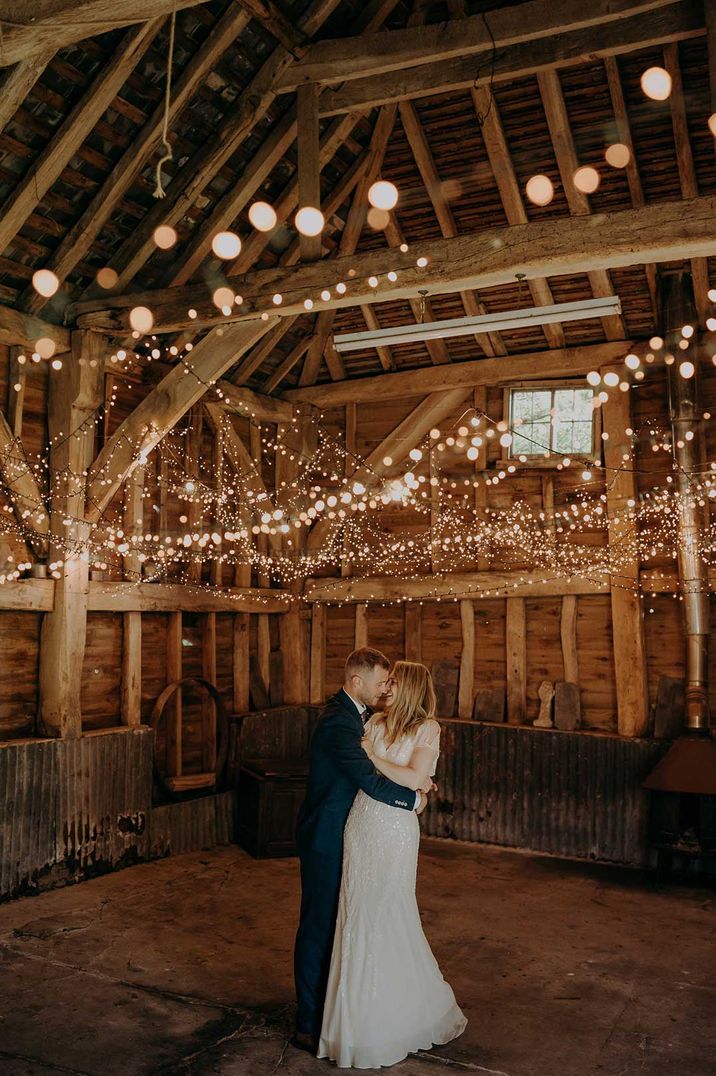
[(386, 997)]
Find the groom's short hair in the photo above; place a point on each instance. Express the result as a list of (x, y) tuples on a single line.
[(365, 660)]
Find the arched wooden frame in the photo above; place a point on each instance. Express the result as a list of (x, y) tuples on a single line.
[(175, 784)]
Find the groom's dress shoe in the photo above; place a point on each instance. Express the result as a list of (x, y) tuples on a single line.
[(303, 1041)]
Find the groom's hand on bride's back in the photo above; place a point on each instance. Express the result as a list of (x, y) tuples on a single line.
[(428, 786)]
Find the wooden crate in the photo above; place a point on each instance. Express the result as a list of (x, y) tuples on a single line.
[(270, 794)]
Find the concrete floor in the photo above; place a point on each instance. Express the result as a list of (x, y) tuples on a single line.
[(184, 966)]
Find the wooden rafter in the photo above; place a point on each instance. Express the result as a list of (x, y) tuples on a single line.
[(19, 479), (70, 136), (278, 25), (484, 259), (567, 162), (344, 59), (162, 408), (490, 343), (284, 368), (572, 362), (43, 25), (687, 172), (636, 191), (16, 83), (679, 21), (25, 330), (309, 165), (78, 240)]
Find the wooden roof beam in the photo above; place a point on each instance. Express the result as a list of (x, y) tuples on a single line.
[(343, 59), (687, 172), (78, 240), (490, 343), (278, 25), (569, 362), (668, 231), (679, 21), (61, 148), (50, 25), (17, 82), (25, 330), (162, 408), (567, 162)]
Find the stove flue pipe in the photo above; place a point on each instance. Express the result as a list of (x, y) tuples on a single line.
[(677, 310)]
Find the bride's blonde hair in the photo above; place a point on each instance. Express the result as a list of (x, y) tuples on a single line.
[(413, 702)]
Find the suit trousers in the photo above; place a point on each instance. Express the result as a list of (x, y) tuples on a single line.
[(320, 890)]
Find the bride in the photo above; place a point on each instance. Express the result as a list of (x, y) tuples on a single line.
[(386, 997)]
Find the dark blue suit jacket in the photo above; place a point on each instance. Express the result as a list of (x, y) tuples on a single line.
[(338, 768)]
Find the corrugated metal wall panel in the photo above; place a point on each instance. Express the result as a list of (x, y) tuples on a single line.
[(570, 794), (193, 824), (28, 794)]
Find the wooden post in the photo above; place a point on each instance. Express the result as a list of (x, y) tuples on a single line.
[(241, 662), (466, 690), (131, 672), (413, 631), (75, 393), (16, 390), (360, 638), (174, 707), (568, 633), (318, 654), (309, 168), (627, 613), (479, 402), (192, 454), (295, 657), (516, 660), (351, 416), (208, 709)]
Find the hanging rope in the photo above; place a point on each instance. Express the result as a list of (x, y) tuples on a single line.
[(159, 191)]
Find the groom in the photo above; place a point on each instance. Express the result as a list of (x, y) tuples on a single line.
[(338, 768)]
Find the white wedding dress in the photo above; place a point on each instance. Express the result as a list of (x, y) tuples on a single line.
[(386, 997)]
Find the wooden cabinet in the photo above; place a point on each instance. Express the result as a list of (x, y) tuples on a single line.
[(270, 793)]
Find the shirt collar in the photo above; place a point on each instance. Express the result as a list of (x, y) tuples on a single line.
[(360, 706)]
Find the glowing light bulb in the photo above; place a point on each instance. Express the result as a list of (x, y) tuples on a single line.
[(223, 297), (611, 378), (594, 378), (107, 278), (378, 219), (45, 283), (617, 155), (263, 217), (141, 319), (632, 361), (309, 221), (540, 190), (687, 369), (656, 83), (226, 245), (383, 195), (165, 236), (586, 179)]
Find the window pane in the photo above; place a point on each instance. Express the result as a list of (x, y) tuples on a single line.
[(582, 438), (560, 420)]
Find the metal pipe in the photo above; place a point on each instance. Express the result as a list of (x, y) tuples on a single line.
[(677, 310)]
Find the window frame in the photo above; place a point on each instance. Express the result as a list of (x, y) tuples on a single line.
[(555, 457)]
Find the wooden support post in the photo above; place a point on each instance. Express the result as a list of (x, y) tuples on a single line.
[(413, 631), (294, 654), (74, 396), (318, 654), (627, 613), (516, 660), (466, 690), (131, 672), (360, 638), (351, 416), (309, 169), (174, 708), (262, 621), (218, 469), (241, 663), (479, 402), (16, 390), (208, 709), (568, 633), (192, 452)]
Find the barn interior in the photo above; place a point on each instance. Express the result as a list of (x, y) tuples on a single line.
[(341, 323)]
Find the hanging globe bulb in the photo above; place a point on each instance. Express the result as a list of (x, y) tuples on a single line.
[(263, 216), (141, 319), (383, 195), (45, 282), (656, 83), (618, 155), (309, 221), (586, 179), (165, 237), (540, 190), (107, 278), (226, 245)]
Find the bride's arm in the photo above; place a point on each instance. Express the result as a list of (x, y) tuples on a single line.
[(414, 775)]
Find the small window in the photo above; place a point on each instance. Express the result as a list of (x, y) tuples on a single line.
[(551, 419)]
